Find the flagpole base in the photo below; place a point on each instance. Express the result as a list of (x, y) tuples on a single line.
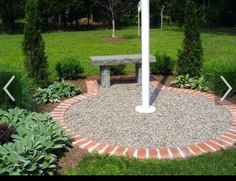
[(142, 110)]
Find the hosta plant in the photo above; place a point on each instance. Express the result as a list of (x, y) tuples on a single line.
[(187, 82), (55, 92), (35, 146)]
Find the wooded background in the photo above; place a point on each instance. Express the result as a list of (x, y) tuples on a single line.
[(87, 14)]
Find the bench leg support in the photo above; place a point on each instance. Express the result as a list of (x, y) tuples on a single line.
[(105, 76), (138, 68)]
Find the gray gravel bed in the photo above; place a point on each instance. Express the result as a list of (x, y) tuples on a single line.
[(180, 119)]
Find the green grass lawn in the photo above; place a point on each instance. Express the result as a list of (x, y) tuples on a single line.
[(219, 46), (222, 163)]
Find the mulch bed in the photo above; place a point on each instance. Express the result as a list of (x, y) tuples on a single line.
[(69, 160), (81, 83), (165, 80)]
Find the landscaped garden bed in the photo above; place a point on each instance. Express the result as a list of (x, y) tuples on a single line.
[(56, 120)]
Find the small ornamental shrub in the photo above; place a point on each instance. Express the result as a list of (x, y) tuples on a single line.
[(6, 131), (35, 148), (55, 92), (69, 69), (163, 66), (118, 69)]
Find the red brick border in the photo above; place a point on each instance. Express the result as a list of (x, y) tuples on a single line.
[(223, 142)]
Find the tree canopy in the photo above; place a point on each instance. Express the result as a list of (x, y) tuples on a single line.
[(67, 14)]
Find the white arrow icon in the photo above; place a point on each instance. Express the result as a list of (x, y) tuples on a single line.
[(6, 86), (229, 86)]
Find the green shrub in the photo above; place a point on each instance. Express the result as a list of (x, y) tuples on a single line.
[(163, 66), (22, 90), (6, 131), (188, 82), (190, 59), (69, 69), (118, 69), (33, 45), (55, 92), (35, 148), (213, 73)]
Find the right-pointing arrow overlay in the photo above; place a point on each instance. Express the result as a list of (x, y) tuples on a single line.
[(229, 90), (6, 86)]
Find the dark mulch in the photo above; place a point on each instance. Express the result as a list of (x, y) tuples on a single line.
[(69, 160), (81, 83), (47, 107), (165, 80)]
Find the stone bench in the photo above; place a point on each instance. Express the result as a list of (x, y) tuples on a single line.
[(106, 62)]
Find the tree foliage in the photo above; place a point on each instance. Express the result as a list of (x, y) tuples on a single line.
[(65, 14), (191, 57), (33, 45)]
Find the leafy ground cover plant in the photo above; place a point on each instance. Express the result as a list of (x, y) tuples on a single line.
[(34, 149), (55, 92), (187, 82)]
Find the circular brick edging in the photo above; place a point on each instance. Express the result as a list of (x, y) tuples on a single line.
[(223, 142)]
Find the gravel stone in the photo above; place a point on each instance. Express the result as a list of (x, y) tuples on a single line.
[(180, 119)]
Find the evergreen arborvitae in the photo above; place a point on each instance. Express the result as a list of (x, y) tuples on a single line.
[(190, 59), (33, 45)]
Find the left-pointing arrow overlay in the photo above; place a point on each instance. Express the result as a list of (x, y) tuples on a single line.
[(7, 85)]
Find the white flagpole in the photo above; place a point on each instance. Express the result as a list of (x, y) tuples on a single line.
[(145, 107)]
